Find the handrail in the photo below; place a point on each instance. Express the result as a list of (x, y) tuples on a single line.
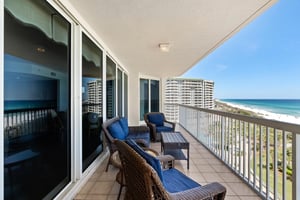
[(265, 122), (262, 152)]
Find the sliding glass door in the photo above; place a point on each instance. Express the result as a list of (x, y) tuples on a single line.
[(91, 101), (149, 96), (36, 100), (110, 88)]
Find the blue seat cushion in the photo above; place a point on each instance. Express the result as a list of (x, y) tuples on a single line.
[(145, 136), (152, 161), (116, 131), (176, 181), (124, 124), (163, 129), (156, 119)]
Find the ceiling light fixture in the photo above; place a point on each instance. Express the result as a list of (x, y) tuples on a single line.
[(164, 47), (40, 49)]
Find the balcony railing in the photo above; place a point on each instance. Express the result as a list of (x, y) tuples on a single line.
[(264, 153)]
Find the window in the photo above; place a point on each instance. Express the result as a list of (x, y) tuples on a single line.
[(149, 96), (36, 100), (91, 101)]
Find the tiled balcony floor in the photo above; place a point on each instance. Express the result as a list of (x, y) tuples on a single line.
[(204, 168)]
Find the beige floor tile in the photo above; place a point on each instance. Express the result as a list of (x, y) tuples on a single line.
[(102, 187), (250, 198), (228, 190), (199, 161), (80, 197), (96, 197), (87, 187), (241, 189), (198, 177), (229, 177), (228, 197), (221, 168), (206, 168), (110, 175), (214, 161), (212, 177)]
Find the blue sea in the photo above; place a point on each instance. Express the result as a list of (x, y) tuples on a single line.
[(28, 104), (277, 106)]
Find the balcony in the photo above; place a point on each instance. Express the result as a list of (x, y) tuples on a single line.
[(204, 168), (240, 165)]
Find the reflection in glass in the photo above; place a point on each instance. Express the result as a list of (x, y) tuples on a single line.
[(144, 97), (91, 101), (154, 96), (36, 100), (110, 88)]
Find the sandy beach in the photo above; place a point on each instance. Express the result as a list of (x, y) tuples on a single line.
[(238, 109)]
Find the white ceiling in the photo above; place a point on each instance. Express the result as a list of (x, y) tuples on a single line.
[(132, 29)]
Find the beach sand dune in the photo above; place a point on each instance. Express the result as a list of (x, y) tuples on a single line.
[(243, 110)]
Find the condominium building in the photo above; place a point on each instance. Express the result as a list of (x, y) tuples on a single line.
[(186, 91), (95, 96)]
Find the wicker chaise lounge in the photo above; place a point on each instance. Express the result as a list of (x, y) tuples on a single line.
[(144, 182)]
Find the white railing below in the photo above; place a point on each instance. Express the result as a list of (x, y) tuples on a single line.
[(262, 152)]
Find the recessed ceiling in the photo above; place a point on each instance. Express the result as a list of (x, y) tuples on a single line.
[(133, 30)]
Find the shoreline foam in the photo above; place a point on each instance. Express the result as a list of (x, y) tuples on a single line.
[(263, 113)]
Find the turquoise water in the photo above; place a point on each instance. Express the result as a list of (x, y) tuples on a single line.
[(278, 106), (28, 104)]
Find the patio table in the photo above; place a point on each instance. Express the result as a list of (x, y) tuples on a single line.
[(172, 143)]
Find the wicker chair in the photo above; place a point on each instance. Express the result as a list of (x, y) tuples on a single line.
[(136, 132), (166, 161), (157, 123), (144, 183)]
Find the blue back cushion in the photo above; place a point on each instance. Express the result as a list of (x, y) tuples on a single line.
[(152, 161), (116, 131), (156, 119), (124, 124)]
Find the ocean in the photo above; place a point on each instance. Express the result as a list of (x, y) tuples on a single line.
[(277, 106), (28, 104)]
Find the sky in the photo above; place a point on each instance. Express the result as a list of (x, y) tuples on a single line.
[(262, 61)]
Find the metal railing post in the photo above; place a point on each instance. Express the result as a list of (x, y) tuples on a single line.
[(296, 166), (222, 138)]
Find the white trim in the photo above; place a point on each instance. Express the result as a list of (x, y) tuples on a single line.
[(143, 76), (104, 85), (123, 94), (1, 97), (76, 117)]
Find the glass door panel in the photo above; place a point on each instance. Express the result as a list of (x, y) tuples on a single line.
[(110, 88), (36, 100), (91, 101)]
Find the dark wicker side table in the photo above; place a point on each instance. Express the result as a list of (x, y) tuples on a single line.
[(172, 143)]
